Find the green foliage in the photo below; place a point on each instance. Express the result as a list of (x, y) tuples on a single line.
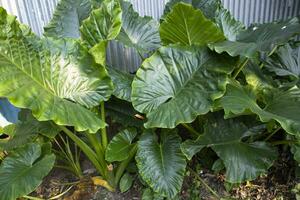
[(204, 67), (22, 171), (141, 33), (243, 161), (164, 87), (259, 38), (188, 26), (161, 163), (120, 146), (126, 182), (67, 18), (208, 7)]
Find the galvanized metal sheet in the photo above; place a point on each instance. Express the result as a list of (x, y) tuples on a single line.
[(37, 13)]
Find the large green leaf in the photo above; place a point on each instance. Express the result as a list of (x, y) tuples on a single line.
[(26, 130), (286, 61), (243, 161), (122, 83), (282, 106), (67, 18), (161, 163), (188, 26), (49, 76), (177, 84), (208, 7), (23, 170), (259, 38), (103, 24), (138, 32), (120, 146)]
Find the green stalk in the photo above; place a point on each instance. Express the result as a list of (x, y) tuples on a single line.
[(121, 168), (203, 183), (273, 133), (287, 142), (95, 143), (191, 130), (103, 130), (241, 67), (86, 149)]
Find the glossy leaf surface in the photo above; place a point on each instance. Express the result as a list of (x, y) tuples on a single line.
[(243, 161), (177, 84), (138, 32), (161, 163), (188, 26), (120, 146), (23, 170), (49, 76)]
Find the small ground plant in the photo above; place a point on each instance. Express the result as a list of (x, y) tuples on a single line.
[(205, 81)]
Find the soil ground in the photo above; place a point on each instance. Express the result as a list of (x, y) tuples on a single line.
[(277, 185)]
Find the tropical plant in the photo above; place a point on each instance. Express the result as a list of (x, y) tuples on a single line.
[(206, 81)]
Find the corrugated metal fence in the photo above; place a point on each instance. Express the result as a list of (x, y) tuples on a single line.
[(37, 13)]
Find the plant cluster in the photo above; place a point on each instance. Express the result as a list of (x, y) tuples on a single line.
[(205, 81)]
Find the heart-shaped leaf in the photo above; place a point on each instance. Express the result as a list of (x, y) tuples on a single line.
[(161, 163), (188, 26), (165, 84), (49, 76), (120, 146), (23, 170), (243, 161)]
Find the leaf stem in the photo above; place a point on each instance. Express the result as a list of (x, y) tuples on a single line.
[(273, 133), (191, 130), (242, 65), (273, 50), (121, 168), (103, 130), (204, 183), (86, 149), (285, 142)]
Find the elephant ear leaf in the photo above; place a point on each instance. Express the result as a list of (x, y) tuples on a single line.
[(243, 161), (164, 86), (67, 18), (138, 32), (281, 106), (102, 25), (161, 163), (23, 170), (56, 79), (259, 38), (121, 145), (208, 7), (285, 62), (188, 26)]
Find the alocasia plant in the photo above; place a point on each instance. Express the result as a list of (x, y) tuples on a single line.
[(198, 63)]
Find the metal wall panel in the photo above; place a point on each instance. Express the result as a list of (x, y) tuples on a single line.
[(37, 13)]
